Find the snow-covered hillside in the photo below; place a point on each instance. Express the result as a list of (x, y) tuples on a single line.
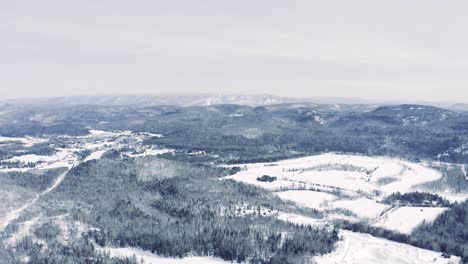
[(150, 258), (347, 172), (353, 188), (364, 249), (406, 219)]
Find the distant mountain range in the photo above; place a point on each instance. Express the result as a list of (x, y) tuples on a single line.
[(147, 100)]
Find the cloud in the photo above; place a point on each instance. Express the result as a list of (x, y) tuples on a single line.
[(374, 49)]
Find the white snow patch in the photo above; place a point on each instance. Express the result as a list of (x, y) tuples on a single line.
[(27, 141), (366, 249), (63, 158), (406, 219), (24, 229), (348, 172), (95, 155), (363, 207), (300, 219), (151, 258), (150, 152), (454, 197), (102, 133), (309, 199)]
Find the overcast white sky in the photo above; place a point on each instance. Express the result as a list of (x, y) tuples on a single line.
[(398, 49)]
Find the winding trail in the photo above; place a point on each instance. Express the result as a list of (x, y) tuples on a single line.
[(464, 171), (6, 219)]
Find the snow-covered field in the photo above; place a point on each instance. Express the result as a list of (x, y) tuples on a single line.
[(357, 184), (348, 172), (363, 207), (406, 219), (95, 155), (300, 219), (309, 199), (150, 152), (150, 258), (364, 249), (26, 141), (351, 182)]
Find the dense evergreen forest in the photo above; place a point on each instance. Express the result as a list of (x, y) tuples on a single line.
[(182, 209)]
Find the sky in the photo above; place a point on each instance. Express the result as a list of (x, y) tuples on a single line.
[(372, 49)]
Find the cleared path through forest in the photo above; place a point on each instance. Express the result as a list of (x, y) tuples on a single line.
[(6, 219)]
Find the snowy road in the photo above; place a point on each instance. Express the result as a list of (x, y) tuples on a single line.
[(6, 219)]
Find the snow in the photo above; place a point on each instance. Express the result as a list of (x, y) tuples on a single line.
[(24, 229), (7, 218), (62, 158), (151, 258), (27, 141), (406, 219), (309, 199), (358, 183), (363, 207), (349, 172), (300, 219), (454, 197), (236, 115), (150, 152), (93, 133), (366, 249), (95, 155)]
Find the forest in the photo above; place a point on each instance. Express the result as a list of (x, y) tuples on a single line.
[(176, 214), (176, 204)]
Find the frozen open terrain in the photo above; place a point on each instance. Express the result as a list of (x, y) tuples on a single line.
[(406, 219), (362, 207), (310, 199), (348, 172), (150, 258), (354, 183), (365, 249), (26, 141)]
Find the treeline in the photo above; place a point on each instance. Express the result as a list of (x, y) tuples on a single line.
[(447, 234), (192, 212), (76, 252), (416, 199), (38, 180)]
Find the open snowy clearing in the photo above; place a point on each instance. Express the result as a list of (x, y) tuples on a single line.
[(348, 172), (358, 185), (362, 207), (150, 152), (95, 155), (26, 141), (366, 249), (300, 219), (150, 258), (309, 199), (406, 219), (60, 155)]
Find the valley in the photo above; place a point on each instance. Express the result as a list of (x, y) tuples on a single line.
[(122, 193)]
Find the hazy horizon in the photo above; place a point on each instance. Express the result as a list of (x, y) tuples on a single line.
[(378, 51)]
